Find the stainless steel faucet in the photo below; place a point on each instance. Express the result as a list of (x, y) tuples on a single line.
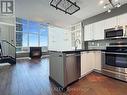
[(77, 41)]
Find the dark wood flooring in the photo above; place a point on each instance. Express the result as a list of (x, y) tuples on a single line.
[(31, 77)]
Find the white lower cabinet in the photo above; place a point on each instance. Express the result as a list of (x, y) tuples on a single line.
[(98, 60), (90, 60), (87, 59)]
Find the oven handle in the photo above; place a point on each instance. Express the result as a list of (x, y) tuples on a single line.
[(115, 53)]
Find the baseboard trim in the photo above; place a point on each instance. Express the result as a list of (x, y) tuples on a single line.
[(94, 70), (82, 76)]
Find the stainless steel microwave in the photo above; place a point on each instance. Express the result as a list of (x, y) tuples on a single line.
[(115, 32)]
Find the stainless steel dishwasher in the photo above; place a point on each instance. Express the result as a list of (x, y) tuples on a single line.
[(64, 68), (72, 68)]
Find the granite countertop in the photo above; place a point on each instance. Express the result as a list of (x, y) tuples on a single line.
[(77, 51), (95, 50), (81, 50)]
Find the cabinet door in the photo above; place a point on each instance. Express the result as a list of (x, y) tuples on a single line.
[(87, 60), (88, 35), (84, 66), (98, 30), (111, 22), (123, 20), (97, 63), (91, 60)]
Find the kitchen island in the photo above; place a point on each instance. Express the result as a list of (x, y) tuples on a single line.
[(64, 67), (67, 67)]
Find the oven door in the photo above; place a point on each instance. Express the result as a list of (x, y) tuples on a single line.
[(115, 62), (116, 59)]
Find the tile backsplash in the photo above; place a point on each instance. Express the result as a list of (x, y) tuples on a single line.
[(102, 44)]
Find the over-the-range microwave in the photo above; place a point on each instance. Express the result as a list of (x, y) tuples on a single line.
[(118, 32)]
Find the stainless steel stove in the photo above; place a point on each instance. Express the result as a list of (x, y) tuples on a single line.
[(115, 61)]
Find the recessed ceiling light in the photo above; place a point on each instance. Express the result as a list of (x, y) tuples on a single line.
[(104, 7), (109, 10), (101, 2)]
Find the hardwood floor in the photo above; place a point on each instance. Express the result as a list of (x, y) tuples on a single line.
[(31, 77)]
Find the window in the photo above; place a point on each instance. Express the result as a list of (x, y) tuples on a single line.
[(44, 36), (30, 33), (33, 40), (25, 40), (18, 38)]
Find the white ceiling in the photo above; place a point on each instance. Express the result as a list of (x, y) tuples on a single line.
[(40, 10)]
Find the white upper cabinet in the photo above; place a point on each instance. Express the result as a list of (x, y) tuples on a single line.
[(95, 31), (111, 22), (88, 35), (122, 19), (98, 30)]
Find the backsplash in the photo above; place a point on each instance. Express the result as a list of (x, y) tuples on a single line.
[(102, 44)]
